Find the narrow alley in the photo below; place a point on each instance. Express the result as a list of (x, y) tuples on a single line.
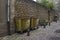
[(29, 19), (49, 33)]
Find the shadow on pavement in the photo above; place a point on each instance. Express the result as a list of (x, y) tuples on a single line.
[(54, 38), (57, 31)]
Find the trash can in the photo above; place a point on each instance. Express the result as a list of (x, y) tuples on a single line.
[(34, 23), (25, 23), (18, 24), (43, 22), (22, 24)]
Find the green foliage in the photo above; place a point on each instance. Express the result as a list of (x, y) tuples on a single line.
[(50, 5), (47, 3), (44, 2)]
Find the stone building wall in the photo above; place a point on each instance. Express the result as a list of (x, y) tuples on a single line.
[(43, 12), (12, 14), (26, 8), (20, 8), (3, 18), (52, 14)]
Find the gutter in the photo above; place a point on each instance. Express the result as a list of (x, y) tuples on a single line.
[(8, 17)]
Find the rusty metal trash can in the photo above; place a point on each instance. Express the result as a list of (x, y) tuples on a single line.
[(22, 23), (34, 23), (25, 23), (18, 24)]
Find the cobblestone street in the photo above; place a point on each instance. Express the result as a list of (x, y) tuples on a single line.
[(48, 33)]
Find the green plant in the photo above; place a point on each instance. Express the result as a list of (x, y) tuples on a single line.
[(50, 5), (47, 4), (44, 2)]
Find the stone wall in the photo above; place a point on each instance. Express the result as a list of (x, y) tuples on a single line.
[(26, 8), (20, 8), (3, 18), (12, 14), (52, 14)]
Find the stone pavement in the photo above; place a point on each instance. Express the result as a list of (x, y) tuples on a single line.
[(48, 33)]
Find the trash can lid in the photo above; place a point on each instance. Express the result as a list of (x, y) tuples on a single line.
[(22, 17)]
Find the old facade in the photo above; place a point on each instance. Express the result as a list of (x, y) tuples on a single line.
[(21, 8)]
